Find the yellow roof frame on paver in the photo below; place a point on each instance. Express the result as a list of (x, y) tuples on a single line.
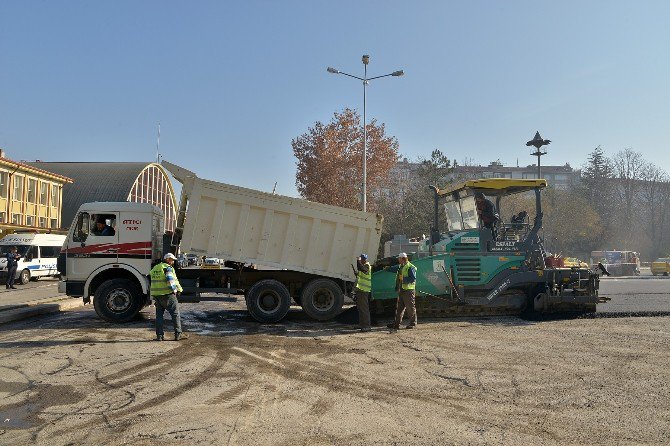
[(496, 186)]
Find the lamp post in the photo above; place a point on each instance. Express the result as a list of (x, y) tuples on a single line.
[(365, 80), (538, 142)]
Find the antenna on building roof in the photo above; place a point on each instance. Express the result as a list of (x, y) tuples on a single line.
[(158, 145), (517, 162)]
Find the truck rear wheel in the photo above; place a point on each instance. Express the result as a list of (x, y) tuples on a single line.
[(322, 299), (117, 300), (268, 301)]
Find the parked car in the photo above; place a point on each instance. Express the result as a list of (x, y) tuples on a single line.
[(182, 261), (661, 266), (211, 262), (193, 259)]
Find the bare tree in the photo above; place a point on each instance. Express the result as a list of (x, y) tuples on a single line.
[(655, 203), (629, 167)]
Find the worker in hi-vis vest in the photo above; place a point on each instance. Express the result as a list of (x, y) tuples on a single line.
[(165, 288), (363, 290), (405, 284)]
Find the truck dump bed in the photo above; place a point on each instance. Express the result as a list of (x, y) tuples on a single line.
[(250, 226)]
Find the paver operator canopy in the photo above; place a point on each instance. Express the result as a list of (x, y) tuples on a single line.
[(460, 207)]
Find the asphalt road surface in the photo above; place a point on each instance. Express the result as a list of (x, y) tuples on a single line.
[(635, 294), (32, 291)]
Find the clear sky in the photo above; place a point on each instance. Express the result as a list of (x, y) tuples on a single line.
[(233, 82)]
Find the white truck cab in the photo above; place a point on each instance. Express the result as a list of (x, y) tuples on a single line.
[(118, 241), (38, 252)]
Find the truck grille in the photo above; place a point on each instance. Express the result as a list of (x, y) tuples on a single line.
[(468, 269)]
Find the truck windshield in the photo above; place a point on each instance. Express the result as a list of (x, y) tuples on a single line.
[(20, 249)]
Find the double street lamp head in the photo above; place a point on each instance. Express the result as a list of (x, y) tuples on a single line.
[(365, 79)]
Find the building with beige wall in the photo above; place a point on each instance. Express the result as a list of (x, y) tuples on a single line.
[(30, 198)]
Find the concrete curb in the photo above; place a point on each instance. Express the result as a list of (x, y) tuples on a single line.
[(38, 308)]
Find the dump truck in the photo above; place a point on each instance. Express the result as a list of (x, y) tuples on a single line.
[(276, 250), (617, 263), (469, 269)]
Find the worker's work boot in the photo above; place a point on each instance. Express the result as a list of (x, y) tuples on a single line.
[(393, 326), (410, 326), (180, 336), (159, 338)]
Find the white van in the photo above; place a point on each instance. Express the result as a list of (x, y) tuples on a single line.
[(39, 253)]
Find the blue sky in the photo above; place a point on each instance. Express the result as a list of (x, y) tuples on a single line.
[(233, 82)]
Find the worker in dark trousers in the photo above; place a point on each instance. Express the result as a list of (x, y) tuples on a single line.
[(165, 288), (363, 291), (12, 263), (405, 284)]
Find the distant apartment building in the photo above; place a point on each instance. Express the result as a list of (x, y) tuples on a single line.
[(30, 197), (560, 177)]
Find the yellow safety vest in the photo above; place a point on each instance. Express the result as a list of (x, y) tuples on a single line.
[(402, 273), (159, 283), (364, 282)]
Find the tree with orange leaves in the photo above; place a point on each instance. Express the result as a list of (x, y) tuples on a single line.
[(330, 156)]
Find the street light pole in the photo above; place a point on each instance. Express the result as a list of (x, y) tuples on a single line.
[(365, 80)]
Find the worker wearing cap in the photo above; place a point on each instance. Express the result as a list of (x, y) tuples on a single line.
[(405, 284), (363, 290), (165, 288)]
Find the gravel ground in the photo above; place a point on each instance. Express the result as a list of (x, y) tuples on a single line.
[(72, 379)]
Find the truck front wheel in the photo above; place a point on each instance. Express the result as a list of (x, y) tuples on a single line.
[(322, 299), (268, 301), (117, 300)]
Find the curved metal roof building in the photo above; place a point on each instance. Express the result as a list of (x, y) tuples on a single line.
[(100, 181)]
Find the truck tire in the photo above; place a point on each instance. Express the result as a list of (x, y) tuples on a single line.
[(117, 300), (322, 299), (24, 277), (268, 301)]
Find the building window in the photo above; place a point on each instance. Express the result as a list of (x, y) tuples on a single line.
[(3, 217), (32, 190), (55, 195), (54, 223), (16, 219), (530, 176), (3, 184), (30, 220), (17, 193), (43, 222), (44, 188)]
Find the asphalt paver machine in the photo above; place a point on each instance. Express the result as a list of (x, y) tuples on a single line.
[(469, 269)]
